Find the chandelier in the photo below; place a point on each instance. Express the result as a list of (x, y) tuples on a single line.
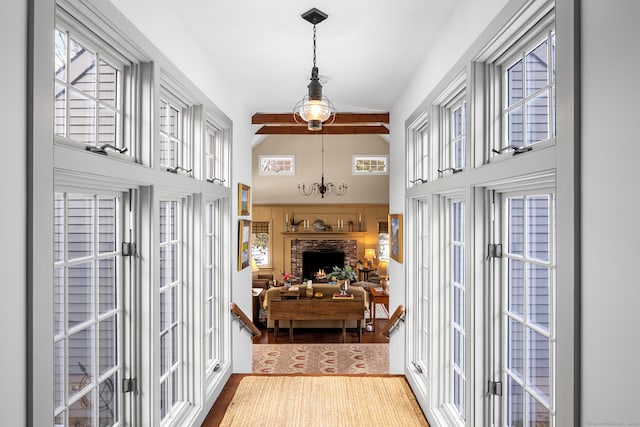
[(314, 108), (320, 188)]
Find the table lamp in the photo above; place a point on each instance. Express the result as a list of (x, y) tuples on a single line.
[(369, 255)]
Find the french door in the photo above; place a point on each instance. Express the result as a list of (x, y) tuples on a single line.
[(525, 287), (89, 323)]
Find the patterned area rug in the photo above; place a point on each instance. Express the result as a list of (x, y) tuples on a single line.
[(321, 358)]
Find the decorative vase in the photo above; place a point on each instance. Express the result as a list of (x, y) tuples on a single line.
[(287, 285), (344, 285)]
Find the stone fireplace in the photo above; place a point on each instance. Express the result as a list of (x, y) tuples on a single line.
[(321, 254)]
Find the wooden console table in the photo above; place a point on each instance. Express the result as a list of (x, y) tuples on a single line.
[(316, 309)]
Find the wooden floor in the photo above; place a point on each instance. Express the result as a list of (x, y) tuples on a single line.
[(322, 336), (301, 335)]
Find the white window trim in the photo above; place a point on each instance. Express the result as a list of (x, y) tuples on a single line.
[(451, 98), (267, 157), (376, 157), (127, 64), (417, 131)]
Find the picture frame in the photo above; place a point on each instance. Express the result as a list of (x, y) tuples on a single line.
[(244, 246), (395, 237), (244, 200)]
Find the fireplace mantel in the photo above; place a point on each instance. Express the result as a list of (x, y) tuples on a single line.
[(327, 234)]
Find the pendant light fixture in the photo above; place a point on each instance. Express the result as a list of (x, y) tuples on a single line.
[(314, 108), (320, 188)]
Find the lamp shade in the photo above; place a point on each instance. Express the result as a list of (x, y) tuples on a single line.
[(254, 265), (369, 254)]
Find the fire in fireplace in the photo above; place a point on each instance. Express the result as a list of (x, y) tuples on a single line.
[(318, 261)]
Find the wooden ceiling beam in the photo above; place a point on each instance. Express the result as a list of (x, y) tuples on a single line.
[(327, 130), (341, 118)]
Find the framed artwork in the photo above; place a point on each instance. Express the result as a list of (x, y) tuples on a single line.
[(244, 199), (395, 236), (244, 247)]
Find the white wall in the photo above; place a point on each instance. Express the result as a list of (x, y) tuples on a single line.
[(13, 86), (338, 152), (610, 212)]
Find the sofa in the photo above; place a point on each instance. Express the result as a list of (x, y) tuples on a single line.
[(359, 292), (263, 281)]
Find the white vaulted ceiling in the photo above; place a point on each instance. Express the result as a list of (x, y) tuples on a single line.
[(367, 49)]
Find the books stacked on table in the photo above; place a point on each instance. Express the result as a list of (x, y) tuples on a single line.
[(340, 295)]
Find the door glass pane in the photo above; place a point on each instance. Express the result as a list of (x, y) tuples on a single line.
[(538, 295), (515, 347), (58, 301), (107, 404), (537, 414), (80, 220), (516, 226), (537, 71), (164, 352), (173, 262), (107, 284), (81, 412), (538, 236), (515, 293), (58, 228), (515, 397), (538, 364), (58, 374), (165, 266), (164, 311), (164, 399), (458, 264), (107, 343), (80, 360), (80, 293)]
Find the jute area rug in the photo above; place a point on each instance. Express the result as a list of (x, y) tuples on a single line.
[(323, 401), (321, 358)]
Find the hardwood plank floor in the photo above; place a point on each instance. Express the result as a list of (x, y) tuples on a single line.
[(322, 336)]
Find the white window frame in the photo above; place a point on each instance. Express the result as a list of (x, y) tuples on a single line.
[(419, 156), (373, 157), (503, 308), (217, 160), (68, 164), (95, 394), (497, 83), (185, 139), (267, 158), (214, 301), (127, 66), (445, 105), (551, 165)]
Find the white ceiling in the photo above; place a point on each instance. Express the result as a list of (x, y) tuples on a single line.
[(367, 49)]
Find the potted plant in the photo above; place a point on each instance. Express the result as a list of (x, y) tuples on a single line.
[(343, 275)]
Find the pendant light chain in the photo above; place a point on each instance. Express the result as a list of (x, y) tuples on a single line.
[(314, 45)]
